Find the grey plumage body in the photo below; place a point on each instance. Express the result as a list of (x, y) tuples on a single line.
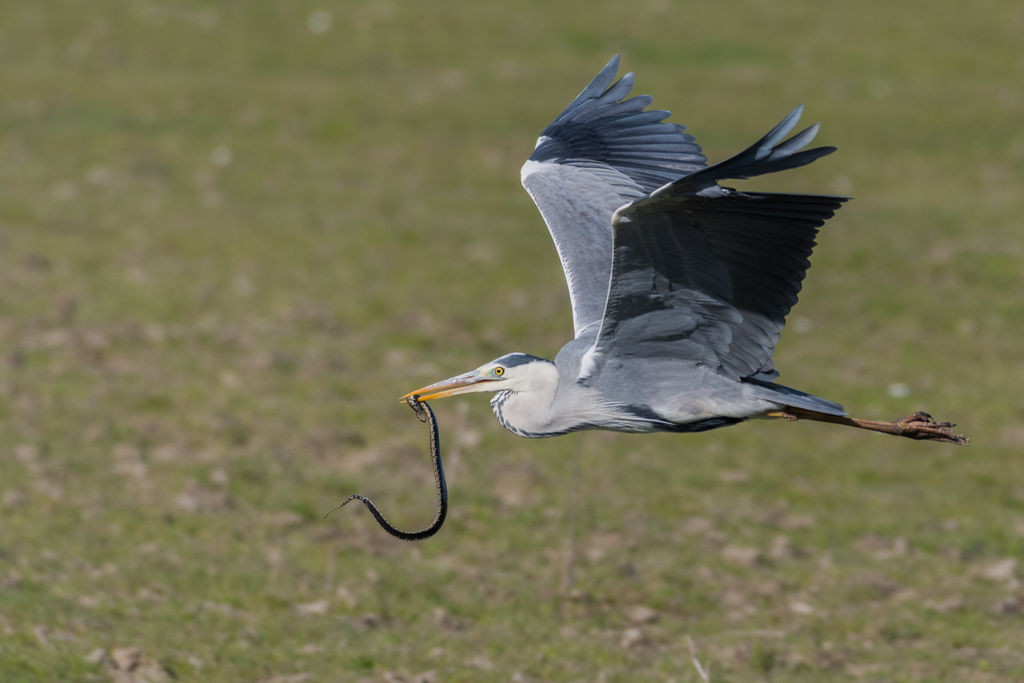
[(679, 286), (637, 396)]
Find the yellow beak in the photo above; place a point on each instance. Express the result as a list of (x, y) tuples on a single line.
[(460, 384)]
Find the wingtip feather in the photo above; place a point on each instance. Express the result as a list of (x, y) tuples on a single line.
[(780, 131)]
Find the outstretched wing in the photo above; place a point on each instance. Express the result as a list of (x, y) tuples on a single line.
[(708, 274), (602, 152)]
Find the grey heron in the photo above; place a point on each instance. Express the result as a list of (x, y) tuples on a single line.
[(679, 286)]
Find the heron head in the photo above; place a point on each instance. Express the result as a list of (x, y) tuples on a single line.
[(510, 371)]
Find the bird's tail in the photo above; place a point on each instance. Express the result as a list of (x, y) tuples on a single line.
[(793, 398)]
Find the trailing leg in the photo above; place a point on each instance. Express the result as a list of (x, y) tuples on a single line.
[(917, 426)]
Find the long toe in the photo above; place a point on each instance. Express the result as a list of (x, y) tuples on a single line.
[(922, 426)]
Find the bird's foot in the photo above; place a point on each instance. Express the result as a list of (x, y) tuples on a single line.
[(921, 425)]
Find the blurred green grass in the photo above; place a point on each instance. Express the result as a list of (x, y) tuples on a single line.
[(229, 241)]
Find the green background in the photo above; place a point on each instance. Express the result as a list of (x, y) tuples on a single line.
[(231, 234)]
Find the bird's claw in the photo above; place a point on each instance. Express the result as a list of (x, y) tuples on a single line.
[(921, 425)]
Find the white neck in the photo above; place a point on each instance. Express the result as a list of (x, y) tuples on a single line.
[(531, 411)]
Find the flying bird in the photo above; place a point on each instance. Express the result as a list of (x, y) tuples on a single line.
[(680, 286)]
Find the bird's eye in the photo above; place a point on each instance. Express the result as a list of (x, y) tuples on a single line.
[(498, 371)]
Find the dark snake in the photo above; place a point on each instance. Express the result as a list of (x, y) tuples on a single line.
[(425, 414)]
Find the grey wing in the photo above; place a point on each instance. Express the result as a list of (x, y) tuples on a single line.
[(602, 152), (708, 274)]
